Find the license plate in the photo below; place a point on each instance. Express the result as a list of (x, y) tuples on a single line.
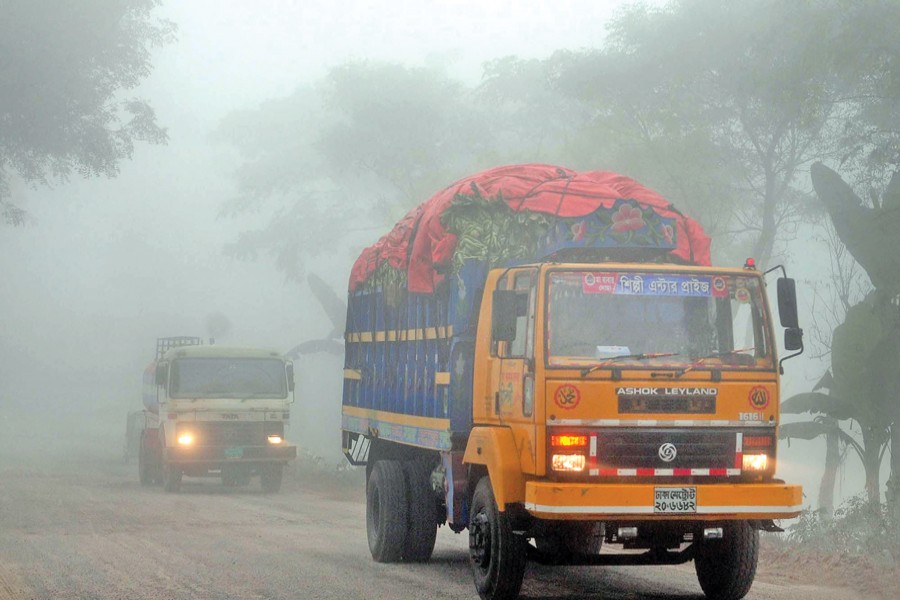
[(677, 500), (234, 452)]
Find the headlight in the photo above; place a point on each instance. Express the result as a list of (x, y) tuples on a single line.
[(185, 439), (275, 439), (568, 462), (756, 462)]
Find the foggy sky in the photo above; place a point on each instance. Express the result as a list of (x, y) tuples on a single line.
[(106, 266)]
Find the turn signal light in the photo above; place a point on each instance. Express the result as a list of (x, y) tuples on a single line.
[(185, 439), (568, 440), (275, 439), (572, 463), (757, 441)]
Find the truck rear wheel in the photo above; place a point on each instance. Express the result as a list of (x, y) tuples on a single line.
[(386, 511), (726, 567), (422, 512), (270, 478), (496, 553)]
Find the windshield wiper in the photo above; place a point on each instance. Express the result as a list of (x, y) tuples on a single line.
[(641, 356), (699, 362)]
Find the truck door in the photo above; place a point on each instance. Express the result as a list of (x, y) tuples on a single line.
[(512, 372)]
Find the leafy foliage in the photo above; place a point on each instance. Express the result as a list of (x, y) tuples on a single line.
[(64, 66), (490, 231), (856, 529)]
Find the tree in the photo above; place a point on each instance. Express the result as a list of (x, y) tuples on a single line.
[(63, 66), (721, 106), (354, 150)]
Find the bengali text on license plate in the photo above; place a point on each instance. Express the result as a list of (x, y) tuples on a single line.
[(675, 500)]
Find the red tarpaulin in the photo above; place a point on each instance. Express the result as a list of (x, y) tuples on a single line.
[(535, 187)]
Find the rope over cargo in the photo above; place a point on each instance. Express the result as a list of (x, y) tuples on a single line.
[(421, 246)]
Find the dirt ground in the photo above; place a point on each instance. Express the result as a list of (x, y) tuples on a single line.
[(874, 578), (75, 523)]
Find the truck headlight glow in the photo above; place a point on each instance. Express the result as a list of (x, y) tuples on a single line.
[(572, 463), (185, 438), (756, 462), (274, 438)]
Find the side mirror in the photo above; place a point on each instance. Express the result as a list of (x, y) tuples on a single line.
[(503, 315), (162, 373), (793, 338), (787, 303), (289, 367)]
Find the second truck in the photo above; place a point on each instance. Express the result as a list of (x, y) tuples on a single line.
[(214, 411), (548, 359)]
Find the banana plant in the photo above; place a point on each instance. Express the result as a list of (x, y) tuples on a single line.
[(855, 394), (867, 365)]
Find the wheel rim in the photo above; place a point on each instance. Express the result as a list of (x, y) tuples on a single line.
[(480, 541)]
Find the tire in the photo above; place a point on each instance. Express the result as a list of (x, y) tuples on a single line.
[(386, 511), (172, 479), (571, 538), (726, 568), (145, 471), (422, 512), (496, 553), (148, 465), (270, 478)]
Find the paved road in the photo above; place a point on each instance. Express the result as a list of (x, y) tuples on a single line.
[(75, 523)]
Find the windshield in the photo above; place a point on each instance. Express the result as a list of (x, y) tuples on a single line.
[(228, 378), (713, 320)]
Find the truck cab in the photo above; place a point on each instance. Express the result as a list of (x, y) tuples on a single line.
[(648, 375)]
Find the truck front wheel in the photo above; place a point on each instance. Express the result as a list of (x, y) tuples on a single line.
[(726, 567), (497, 553), (270, 477), (386, 511)]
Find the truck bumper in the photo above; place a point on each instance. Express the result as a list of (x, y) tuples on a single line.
[(213, 455), (614, 501)]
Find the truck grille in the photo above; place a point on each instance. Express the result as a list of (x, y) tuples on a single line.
[(643, 449)]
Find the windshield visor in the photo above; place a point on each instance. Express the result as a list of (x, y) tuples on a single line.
[(715, 321), (228, 378)]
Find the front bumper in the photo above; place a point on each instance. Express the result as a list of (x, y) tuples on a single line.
[(614, 501), (217, 455)]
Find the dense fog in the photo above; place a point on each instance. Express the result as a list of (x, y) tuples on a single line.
[(249, 196)]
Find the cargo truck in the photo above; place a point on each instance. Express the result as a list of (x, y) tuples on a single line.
[(547, 359), (214, 411)]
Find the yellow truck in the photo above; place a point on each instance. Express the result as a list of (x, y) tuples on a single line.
[(602, 385)]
